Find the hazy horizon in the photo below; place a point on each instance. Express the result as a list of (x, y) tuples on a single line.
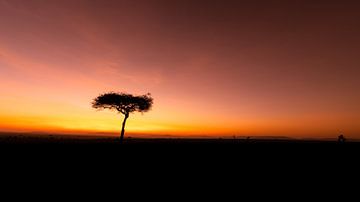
[(100, 134), (288, 68)]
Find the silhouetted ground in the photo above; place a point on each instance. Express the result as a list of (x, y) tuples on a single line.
[(44, 139), (175, 161), (173, 148)]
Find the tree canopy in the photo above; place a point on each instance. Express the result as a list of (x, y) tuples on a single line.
[(123, 102)]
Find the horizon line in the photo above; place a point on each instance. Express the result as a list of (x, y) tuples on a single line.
[(167, 136)]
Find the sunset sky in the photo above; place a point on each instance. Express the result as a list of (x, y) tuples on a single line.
[(284, 68)]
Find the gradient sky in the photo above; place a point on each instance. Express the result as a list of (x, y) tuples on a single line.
[(213, 67)]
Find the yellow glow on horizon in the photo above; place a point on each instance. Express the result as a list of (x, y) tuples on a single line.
[(70, 115)]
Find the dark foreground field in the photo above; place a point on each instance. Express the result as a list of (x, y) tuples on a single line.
[(176, 160), (47, 139), (272, 147)]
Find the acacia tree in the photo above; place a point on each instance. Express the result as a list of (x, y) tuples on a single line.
[(123, 103)]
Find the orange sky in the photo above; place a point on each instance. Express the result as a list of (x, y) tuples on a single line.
[(213, 67)]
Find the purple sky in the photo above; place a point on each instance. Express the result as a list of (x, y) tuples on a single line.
[(224, 67)]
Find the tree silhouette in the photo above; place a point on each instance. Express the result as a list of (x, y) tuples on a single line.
[(123, 103)]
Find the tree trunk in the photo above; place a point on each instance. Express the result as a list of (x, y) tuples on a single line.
[(123, 128)]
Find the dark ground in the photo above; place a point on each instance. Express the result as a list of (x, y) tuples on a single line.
[(173, 148), (49, 139), (165, 165)]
